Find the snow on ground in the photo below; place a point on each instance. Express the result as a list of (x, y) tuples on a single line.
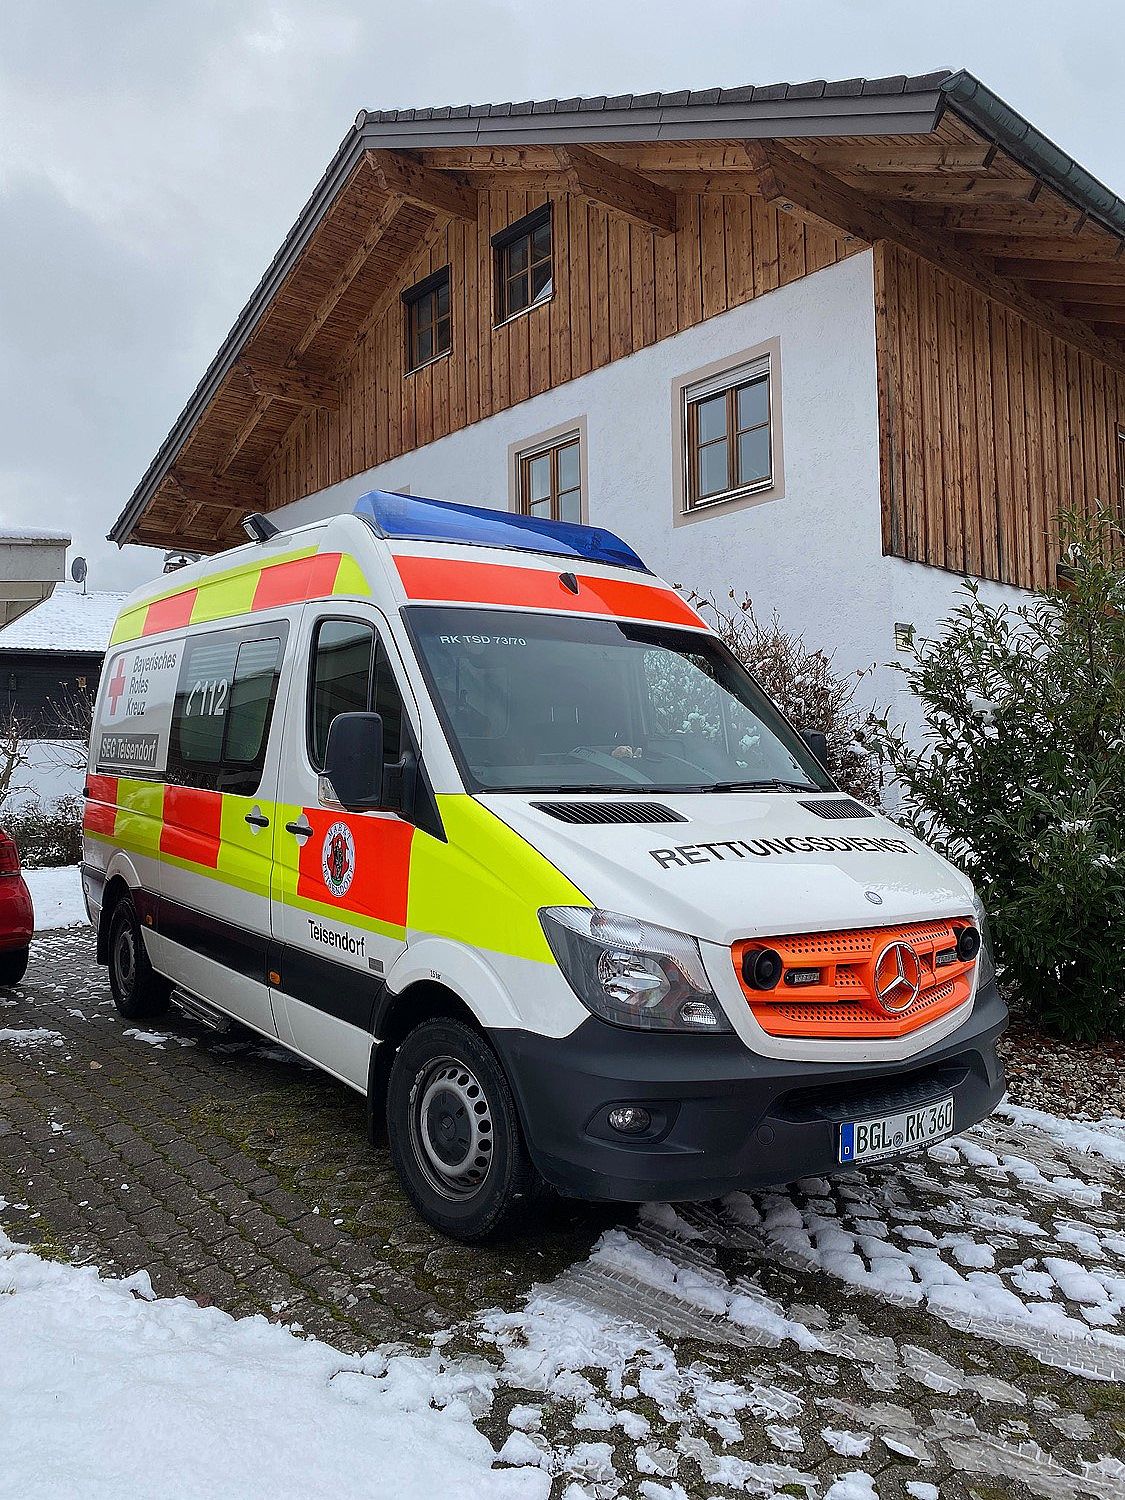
[(106, 1391), (57, 897)]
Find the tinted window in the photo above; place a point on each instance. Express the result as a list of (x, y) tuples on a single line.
[(341, 677), (224, 702), (351, 673)]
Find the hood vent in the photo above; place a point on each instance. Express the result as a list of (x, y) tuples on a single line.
[(609, 812), (840, 808)]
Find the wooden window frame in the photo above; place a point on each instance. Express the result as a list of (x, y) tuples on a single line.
[(502, 244), (553, 445), (727, 383), (412, 300), (1120, 446)]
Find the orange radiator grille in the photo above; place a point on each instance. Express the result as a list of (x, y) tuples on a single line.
[(870, 982)]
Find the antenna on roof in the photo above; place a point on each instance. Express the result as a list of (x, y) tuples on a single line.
[(258, 528), (78, 571)]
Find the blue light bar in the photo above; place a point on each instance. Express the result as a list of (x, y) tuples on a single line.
[(411, 518)]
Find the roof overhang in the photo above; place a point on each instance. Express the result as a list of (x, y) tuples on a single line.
[(459, 146), (31, 563)]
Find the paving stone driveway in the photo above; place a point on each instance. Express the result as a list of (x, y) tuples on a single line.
[(230, 1171), (955, 1320)]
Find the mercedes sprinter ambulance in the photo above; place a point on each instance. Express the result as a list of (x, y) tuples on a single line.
[(478, 815)]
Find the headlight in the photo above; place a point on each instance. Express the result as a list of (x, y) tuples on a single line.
[(632, 973), (986, 967)]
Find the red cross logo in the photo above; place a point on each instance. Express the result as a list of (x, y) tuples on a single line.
[(116, 686)]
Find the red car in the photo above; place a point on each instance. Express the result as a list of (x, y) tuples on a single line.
[(17, 916)]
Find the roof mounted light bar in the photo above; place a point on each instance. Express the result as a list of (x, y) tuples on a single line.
[(412, 518)]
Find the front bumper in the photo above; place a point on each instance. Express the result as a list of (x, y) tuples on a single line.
[(724, 1118)]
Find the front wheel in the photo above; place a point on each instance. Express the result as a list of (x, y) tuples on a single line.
[(138, 990), (454, 1135)]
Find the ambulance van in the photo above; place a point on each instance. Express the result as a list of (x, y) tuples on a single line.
[(475, 813)]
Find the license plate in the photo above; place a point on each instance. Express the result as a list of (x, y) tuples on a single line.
[(867, 1140)]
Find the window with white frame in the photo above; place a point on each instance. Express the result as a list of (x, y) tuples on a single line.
[(727, 442)]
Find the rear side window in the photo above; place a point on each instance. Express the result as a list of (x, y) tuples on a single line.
[(349, 673), (223, 707)]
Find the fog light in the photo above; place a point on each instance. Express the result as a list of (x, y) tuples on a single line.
[(761, 968), (968, 944), (629, 1119)]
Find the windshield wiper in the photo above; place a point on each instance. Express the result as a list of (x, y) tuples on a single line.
[(770, 784)]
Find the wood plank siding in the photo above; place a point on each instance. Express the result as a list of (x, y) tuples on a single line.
[(990, 426), (618, 287)]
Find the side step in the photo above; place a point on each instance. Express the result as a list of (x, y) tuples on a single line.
[(199, 1010)]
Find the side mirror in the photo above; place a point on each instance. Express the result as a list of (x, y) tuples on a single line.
[(353, 760), (815, 739)]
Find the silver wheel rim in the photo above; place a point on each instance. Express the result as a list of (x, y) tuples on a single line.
[(125, 960), (451, 1128)]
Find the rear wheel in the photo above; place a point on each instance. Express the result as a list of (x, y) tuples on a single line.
[(454, 1134), (138, 990), (13, 965)]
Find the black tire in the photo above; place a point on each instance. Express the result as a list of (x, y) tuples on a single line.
[(13, 965), (454, 1133), (138, 990)]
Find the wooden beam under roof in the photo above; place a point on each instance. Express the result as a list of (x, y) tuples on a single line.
[(381, 221), (894, 156), (942, 187), (619, 188), (199, 488), (1069, 272), (449, 193), (800, 188), (293, 386), (1036, 219), (1089, 246), (1096, 312)]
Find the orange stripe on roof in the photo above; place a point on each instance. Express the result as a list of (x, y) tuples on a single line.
[(170, 613), (450, 580), (293, 582)]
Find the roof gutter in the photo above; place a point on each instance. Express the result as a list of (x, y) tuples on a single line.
[(980, 107)]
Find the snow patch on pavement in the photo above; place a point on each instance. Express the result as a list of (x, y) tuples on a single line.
[(30, 1036), (220, 1407)]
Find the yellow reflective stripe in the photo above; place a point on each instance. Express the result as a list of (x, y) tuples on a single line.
[(485, 886), (222, 595), (140, 816)]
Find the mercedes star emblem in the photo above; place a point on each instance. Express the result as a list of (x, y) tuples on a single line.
[(898, 977)]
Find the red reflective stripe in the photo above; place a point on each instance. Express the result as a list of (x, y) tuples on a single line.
[(100, 812), (192, 825), (451, 580), (294, 582), (381, 879), (170, 613)]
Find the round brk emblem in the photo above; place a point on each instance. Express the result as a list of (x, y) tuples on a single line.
[(337, 859)]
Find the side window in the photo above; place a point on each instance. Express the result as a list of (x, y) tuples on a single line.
[(222, 710), (340, 681), (350, 673)]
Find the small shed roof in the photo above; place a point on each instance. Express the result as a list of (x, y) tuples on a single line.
[(69, 621)]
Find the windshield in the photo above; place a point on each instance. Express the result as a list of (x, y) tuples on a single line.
[(534, 703)]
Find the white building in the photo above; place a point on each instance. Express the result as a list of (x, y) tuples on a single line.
[(833, 345)]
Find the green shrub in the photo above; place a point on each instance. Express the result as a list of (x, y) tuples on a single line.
[(1021, 777), (46, 834), (804, 685)]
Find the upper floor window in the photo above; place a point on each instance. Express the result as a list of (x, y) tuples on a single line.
[(428, 321), (523, 263), (550, 480), (727, 443)]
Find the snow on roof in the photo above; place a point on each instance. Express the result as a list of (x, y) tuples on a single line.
[(68, 621)]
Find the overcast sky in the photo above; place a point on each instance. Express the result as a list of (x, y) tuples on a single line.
[(153, 153)]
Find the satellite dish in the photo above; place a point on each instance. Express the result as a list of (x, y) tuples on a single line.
[(78, 570)]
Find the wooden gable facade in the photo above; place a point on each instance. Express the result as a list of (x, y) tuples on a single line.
[(999, 290)]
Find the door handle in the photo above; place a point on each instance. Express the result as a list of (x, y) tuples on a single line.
[(300, 829), (257, 818)]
